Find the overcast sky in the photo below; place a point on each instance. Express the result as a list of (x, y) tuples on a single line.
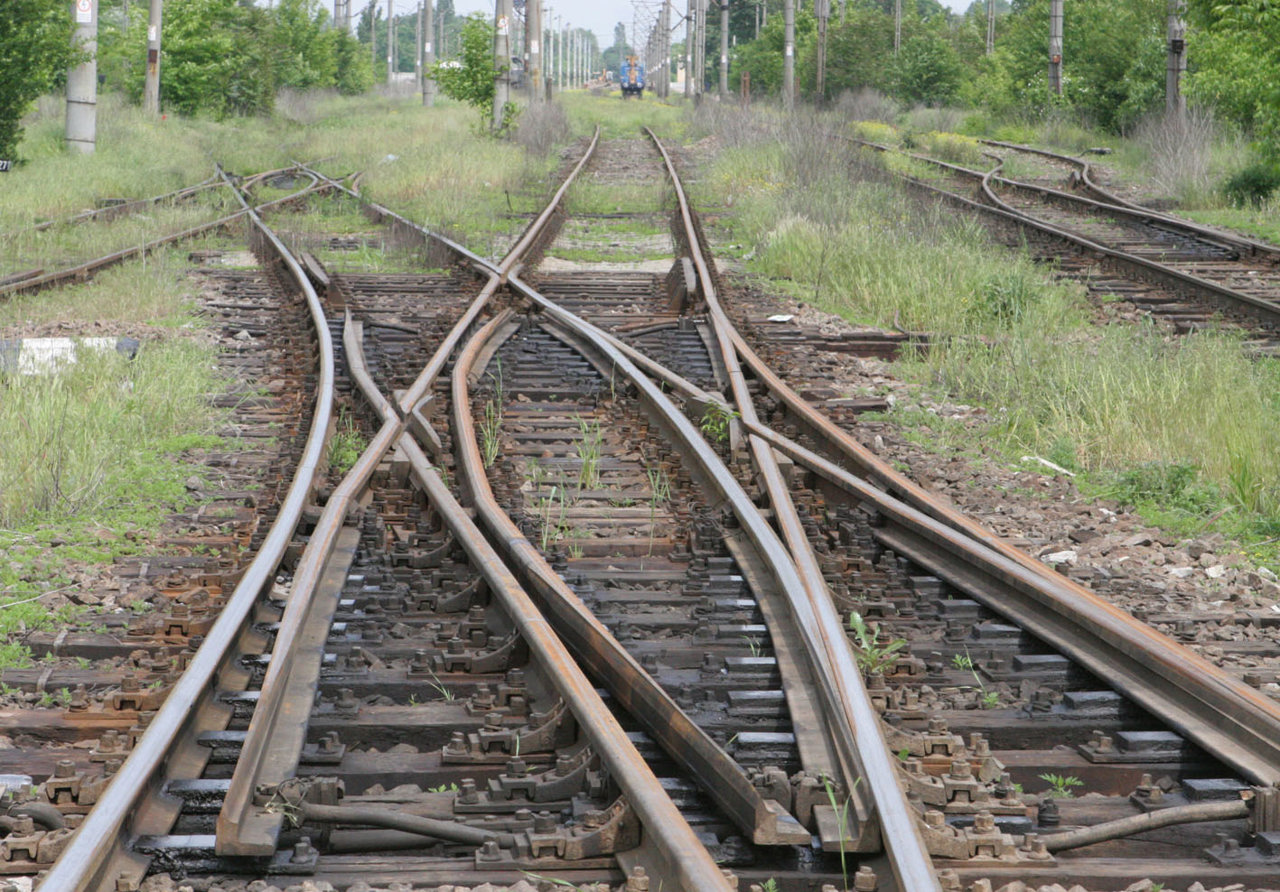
[(598, 15)]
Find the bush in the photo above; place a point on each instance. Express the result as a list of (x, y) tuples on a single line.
[(1253, 185), (1170, 485)]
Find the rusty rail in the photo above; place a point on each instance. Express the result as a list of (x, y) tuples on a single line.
[(277, 731), (834, 662), (673, 855), (84, 271), (1140, 267), (95, 854)]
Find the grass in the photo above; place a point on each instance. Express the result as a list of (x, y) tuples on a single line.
[(428, 164), (1119, 405), (142, 294), (588, 447), (101, 432)]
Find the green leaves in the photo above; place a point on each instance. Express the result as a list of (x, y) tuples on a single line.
[(35, 48)]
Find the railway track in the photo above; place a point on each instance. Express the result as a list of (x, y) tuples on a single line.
[(1182, 273), (604, 600)]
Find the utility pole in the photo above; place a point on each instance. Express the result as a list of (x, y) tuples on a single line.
[(991, 26), (533, 47), (1174, 102), (897, 26), (391, 43), (151, 80), (82, 80), (417, 43), (690, 30), (789, 54), (428, 56), (501, 61), (1055, 47), (664, 25), (823, 9), (700, 58), (724, 50)]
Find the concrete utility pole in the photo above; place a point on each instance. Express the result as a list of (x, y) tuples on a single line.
[(789, 54), (897, 26), (417, 44), (151, 80), (1055, 47), (533, 48), (428, 56), (823, 9), (724, 50), (501, 61), (82, 80), (690, 34), (391, 42), (1174, 102), (700, 51), (991, 26), (664, 25)]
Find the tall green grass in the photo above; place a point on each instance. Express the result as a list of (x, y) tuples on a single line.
[(1182, 426), (101, 433), (851, 243), (1124, 397)]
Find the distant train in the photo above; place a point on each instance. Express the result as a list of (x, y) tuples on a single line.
[(631, 77)]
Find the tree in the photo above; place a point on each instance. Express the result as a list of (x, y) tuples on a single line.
[(613, 56), (470, 78), (1235, 51), (35, 47)]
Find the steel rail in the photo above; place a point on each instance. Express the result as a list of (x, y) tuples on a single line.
[(1108, 197), (84, 270), (683, 862), (1139, 215), (110, 212), (277, 730), (1148, 270), (92, 851), (765, 821), (820, 624), (1218, 712)]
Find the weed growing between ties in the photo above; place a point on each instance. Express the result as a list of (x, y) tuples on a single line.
[(154, 292)]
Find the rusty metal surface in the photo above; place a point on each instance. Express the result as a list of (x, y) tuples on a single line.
[(682, 860), (816, 616), (630, 684), (273, 742), (1221, 713), (87, 863)]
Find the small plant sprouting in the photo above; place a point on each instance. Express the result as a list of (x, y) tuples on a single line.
[(443, 788), (1060, 785), (589, 454), (716, 419), (346, 445), (660, 494), (962, 661), (490, 432), (872, 655), (446, 693)]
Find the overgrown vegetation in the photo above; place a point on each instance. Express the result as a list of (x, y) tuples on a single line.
[(1176, 427)]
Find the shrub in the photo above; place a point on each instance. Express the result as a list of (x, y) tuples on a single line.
[(1252, 185)]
